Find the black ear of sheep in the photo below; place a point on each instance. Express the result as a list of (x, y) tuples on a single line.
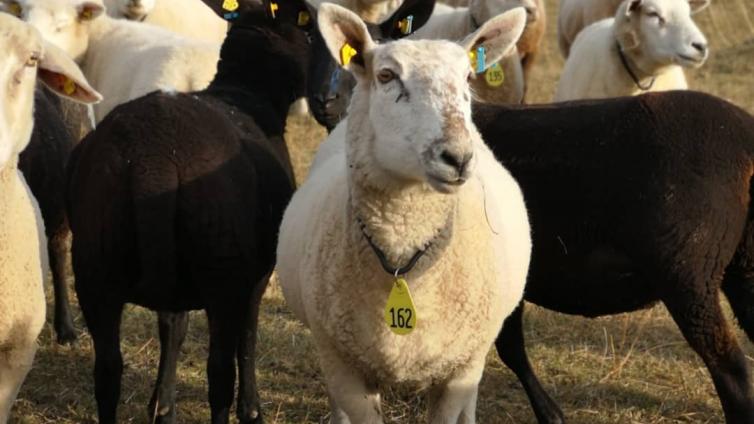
[(295, 12), (409, 17)]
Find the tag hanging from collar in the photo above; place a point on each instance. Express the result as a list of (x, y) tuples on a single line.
[(478, 59), (406, 25), (400, 312)]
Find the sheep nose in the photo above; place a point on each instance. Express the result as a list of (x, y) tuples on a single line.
[(457, 160), (326, 101), (700, 47)]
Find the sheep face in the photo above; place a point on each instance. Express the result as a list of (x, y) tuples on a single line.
[(661, 32), (26, 58), (413, 96), (64, 23), (135, 10)]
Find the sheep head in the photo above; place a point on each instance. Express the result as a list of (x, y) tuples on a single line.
[(411, 107), (661, 32), (64, 23), (135, 10), (27, 58)]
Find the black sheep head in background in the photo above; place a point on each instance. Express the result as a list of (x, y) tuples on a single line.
[(276, 28), (329, 86)]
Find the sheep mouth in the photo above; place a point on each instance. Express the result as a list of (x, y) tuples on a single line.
[(691, 61), (444, 185)]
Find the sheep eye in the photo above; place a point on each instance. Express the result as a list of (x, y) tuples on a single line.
[(385, 76), (33, 60), (656, 15)]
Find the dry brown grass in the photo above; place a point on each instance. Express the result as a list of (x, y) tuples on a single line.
[(631, 369)]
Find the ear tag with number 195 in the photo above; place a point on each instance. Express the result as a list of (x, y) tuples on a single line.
[(400, 312)]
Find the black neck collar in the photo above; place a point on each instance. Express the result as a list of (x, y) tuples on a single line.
[(383, 259), (630, 71)]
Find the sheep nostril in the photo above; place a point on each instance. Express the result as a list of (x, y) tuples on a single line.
[(457, 162), (700, 47)]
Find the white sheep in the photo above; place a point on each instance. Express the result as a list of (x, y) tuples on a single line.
[(641, 49), (575, 15), (415, 177), (190, 18), (122, 59), (454, 23), (23, 253)]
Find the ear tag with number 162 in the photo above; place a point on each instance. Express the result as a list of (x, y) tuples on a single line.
[(400, 312)]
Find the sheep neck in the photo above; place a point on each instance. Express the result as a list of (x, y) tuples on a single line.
[(8, 175), (633, 71), (401, 217)]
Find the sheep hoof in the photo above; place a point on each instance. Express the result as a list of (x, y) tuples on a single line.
[(66, 335)]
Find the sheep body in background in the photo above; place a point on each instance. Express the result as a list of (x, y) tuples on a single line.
[(575, 15), (122, 59), (23, 259), (641, 49), (190, 18)]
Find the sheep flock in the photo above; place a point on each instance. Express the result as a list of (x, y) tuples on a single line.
[(372, 211)]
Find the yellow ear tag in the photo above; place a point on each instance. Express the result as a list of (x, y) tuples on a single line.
[(15, 9), (494, 75), (400, 313), (303, 18), (346, 54), (69, 87), (273, 8), (230, 5)]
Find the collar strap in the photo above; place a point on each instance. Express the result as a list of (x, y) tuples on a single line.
[(628, 69), (383, 259)]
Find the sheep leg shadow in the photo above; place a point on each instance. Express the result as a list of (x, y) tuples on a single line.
[(224, 330), (103, 320), (697, 312), (173, 327), (248, 409), (59, 254), (512, 351)]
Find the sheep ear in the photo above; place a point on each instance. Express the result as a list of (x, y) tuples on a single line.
[(346, 36), (11, 7), (89, 10), (230, 10), (698, 5), (294, 12), (63, 76), (633, 7), (412, 15), (495, 38)]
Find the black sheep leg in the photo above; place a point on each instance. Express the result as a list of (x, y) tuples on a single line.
[(225, 323), (248, 406), (173, 327), (58, 252), (696, 310), (512, 351), (103, 321)]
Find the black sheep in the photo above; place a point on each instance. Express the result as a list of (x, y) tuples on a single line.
[(43, 165), (633, 201), (175, 202)]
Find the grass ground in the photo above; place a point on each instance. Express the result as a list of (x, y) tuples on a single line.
[(631, 368)]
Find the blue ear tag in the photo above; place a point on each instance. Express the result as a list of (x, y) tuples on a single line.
[(480, 59), (334, 78), (230, 16)]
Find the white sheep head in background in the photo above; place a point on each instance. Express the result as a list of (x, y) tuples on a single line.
[(135, 10), (659, 33), (62, 22), (412, 98), (25, 58)]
